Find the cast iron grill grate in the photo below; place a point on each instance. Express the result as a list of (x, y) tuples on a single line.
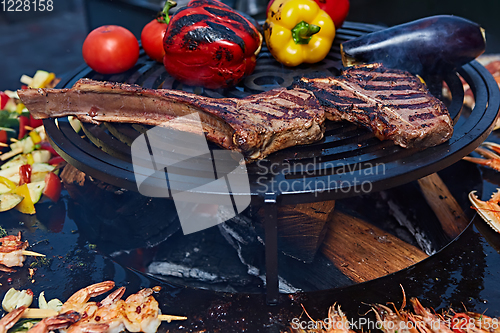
[(348, 161)]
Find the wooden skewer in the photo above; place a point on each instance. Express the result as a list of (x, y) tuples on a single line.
[(14, 139), (33, 254), (29, 128), (33, 313), (169, 318), (3, 144), (11, 153)]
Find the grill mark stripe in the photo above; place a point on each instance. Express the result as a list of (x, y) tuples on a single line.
[(392, 97), (422, 105), (422, 116), (388, 87)]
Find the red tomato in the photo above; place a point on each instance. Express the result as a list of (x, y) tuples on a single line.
[(52, 186), (110, 49), (152, 34), (152, 39)]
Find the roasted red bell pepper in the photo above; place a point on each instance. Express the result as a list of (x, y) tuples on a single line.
[(209, 44), (336, 9), (3, 136), (35, 122), (24, 174), (23, 122), (4, 98)]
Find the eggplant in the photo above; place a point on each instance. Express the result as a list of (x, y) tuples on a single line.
[(431, 45)]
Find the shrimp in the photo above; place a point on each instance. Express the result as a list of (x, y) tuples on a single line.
[(11, 318), (337, 321), (431, 322), (60, 321), (141, 312), (485, 323), (79, 301), (393, 322), (11, 252), (107, 317)]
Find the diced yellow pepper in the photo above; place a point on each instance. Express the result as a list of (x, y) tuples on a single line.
[(7, 182), (26, 206), (19, 108), (30, 159), (42, 79), (35, 137)]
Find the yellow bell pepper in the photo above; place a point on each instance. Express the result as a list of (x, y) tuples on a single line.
[(7, 182), (298, 31), (26, 206)]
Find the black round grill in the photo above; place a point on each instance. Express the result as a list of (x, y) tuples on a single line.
[(347, 162)]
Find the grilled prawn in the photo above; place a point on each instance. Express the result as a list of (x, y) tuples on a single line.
[(11, 252), (426, 320), (393, 321)]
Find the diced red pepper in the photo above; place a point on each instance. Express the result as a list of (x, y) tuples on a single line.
[(52, 186), (35, 122), (46, 145), (24, 174), (23, 122), (4, 98), (56, 160), (3, 136), (24, 87)]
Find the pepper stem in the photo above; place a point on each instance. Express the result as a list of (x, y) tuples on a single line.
[(303, 32), (162, 16)]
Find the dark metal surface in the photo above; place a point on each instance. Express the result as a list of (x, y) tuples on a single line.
[(464, 274), (348, 161)]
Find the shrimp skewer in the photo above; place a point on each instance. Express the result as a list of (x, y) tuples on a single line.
[(13, 252), (140, 312)]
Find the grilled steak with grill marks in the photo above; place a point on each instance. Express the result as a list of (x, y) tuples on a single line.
[(394, 104), (255, 126)]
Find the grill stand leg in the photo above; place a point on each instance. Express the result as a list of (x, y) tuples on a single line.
[(271, 229)]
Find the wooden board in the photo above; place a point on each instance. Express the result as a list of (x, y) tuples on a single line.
[(364, 252)]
